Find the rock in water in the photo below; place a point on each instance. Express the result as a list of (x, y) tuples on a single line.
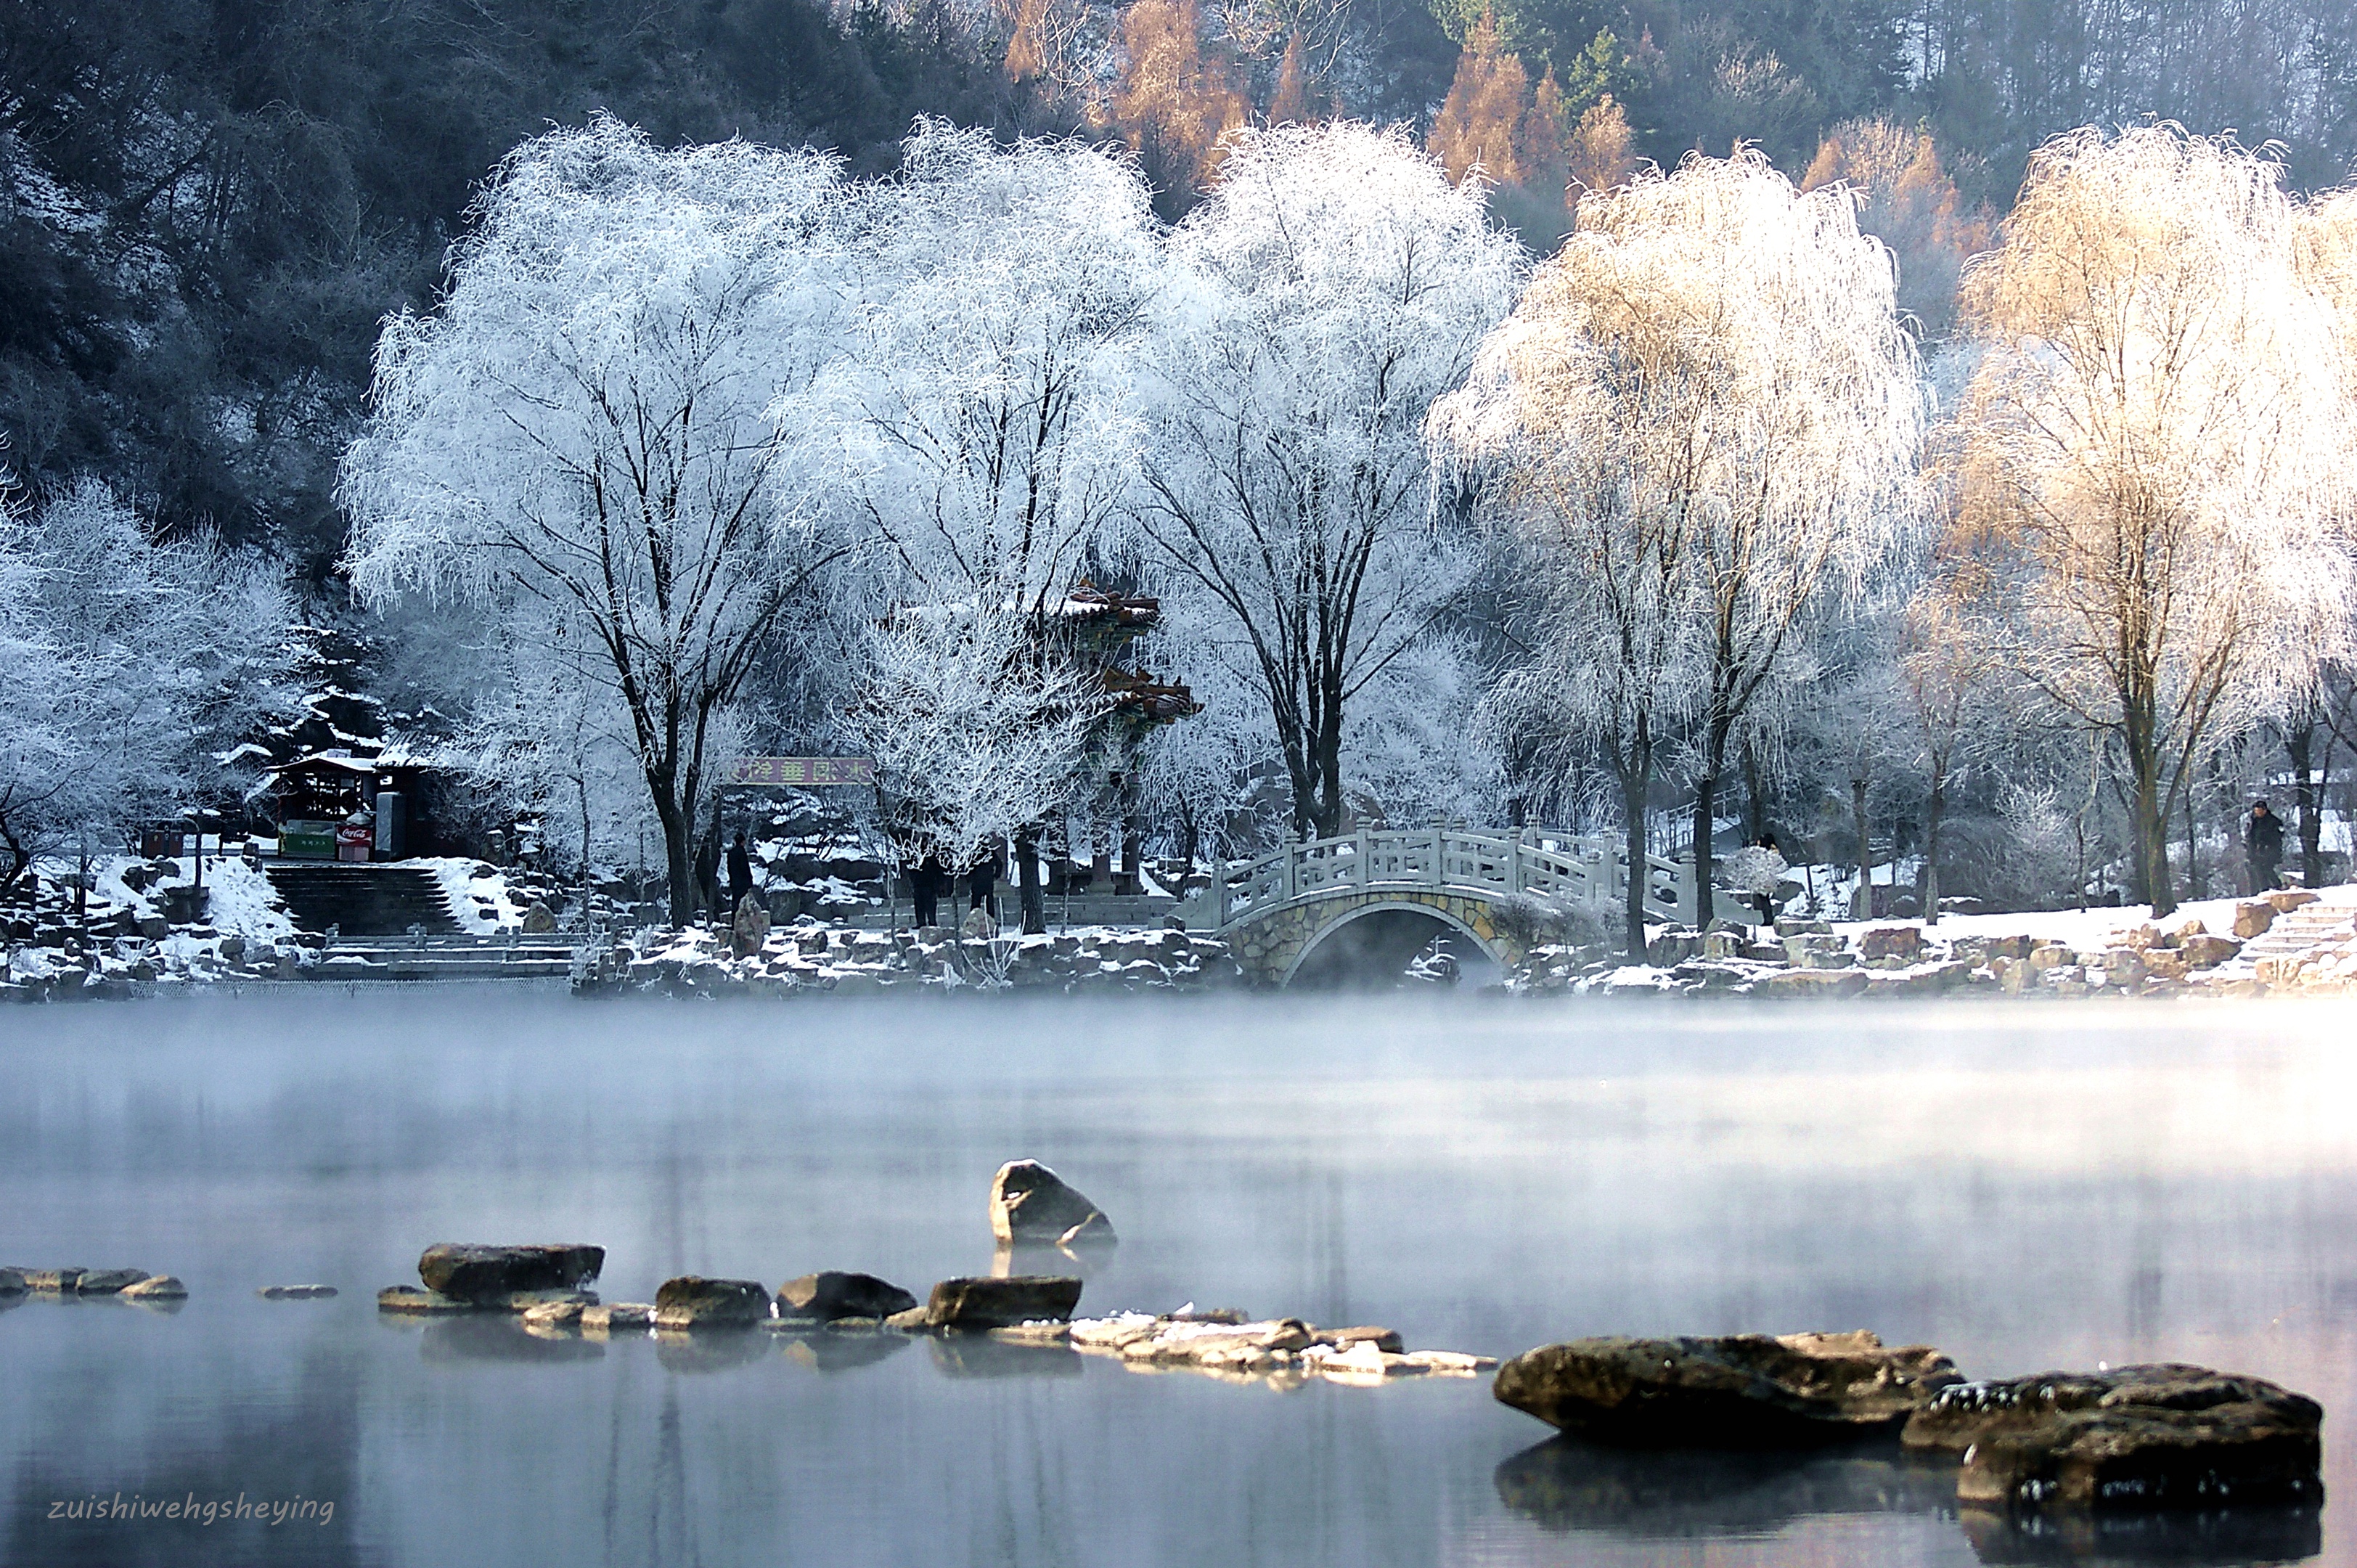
[(155, 1287), (410, 1299), (692, 1301), (982, 1303), (490, 1274), (1028, 1202), (296, 1292), (828, 1296), (107, 1281), (1744, 1391), (2132, 1437), (12, 1282)]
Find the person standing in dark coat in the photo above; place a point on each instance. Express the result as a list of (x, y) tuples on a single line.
[(707, 872), (925, 879), (983, 880), (2262, 847), (741, 873)]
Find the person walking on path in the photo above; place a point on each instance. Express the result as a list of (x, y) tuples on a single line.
[(741, 873), (2262, 847)]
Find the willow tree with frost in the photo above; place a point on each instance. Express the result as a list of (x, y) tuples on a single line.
[(981, 424), (2151, 455), (583, 425), (1700, 427), (1332, 285)]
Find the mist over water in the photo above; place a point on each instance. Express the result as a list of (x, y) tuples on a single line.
[(2026, 1189)]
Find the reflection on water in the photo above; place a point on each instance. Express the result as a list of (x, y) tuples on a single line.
[(2025, 1188), (1564, 1486)]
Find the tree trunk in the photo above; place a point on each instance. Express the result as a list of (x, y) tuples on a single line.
[(1861, 901), (2150, 831), (1635, 774), (1756, 817), (678, 854), (1705, 796), (2300, 742), (2193, 887), (1026, 878), (1929, 889)]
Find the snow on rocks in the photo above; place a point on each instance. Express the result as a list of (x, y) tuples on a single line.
[(2141, 1437), (1283, 1352), (2306, 944), (810, 958)]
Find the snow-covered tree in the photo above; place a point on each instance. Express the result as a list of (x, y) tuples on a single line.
[(1701, 422), (584, 423), (2152, 453), (976, 731), (129, 670), (1332, 285), (981, 419)]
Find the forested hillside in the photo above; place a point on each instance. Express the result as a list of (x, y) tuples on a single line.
[(206, 209)]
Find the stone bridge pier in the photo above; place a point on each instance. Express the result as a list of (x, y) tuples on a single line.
[(1364, 937)]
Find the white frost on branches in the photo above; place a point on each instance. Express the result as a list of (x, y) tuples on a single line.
[(1701, 425), (1331, 286)]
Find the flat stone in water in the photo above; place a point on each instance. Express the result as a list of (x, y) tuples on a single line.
[(981, 1302), (107, 1281), (692, 1301), (155, 1287), (829, 1294), (296, 1292), (1741, 1391), (2161, 1436), (473, 1271), (410, 1299)]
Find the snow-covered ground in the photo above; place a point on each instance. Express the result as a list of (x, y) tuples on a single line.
[(478, 896), (2082, 928)]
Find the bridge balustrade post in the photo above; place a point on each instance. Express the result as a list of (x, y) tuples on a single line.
[(1435, 873), (1292, 873), (1359, 852)]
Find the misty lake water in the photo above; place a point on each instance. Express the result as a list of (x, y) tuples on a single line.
[(2025, 1188)]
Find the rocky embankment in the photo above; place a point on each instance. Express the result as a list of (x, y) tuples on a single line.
[(808, 958), (2116, 1440), (2285, 943)]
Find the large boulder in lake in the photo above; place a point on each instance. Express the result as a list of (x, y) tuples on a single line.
[(691, 1301), (986, 1303), (2130, 1438), (1028, 1202), (1743, 1390), (829, 1297), (466, 1272)]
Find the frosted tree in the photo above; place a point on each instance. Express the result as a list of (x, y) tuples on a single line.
[(1700, 426), (1331, 286), (2152, 452), (982, 418), (975, 731), (582, 424), (129, 670)]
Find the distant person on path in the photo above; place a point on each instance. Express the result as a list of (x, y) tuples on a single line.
[(707, 873), (2262, 847), (983, 880), (925, 880), (741, 873), (1755, 871)]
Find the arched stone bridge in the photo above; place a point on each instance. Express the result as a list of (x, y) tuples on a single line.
[(1364, 903)]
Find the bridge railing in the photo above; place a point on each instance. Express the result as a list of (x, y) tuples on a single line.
[(1564, 869)]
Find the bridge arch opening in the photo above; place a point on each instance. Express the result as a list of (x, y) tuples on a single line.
[(1372, 949)]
